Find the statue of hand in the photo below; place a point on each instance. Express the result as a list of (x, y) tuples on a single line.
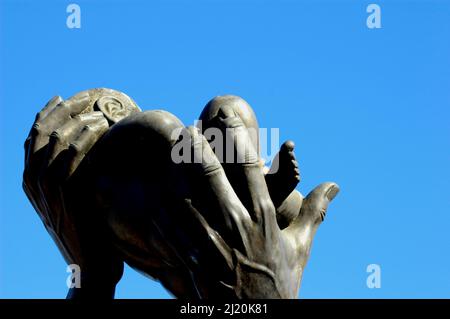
[(263, 261), (61, 136)]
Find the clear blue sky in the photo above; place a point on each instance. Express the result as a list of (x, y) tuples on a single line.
[(369, 109)]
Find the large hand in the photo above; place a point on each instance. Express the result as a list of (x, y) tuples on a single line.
[(59, 140), (265, 262)]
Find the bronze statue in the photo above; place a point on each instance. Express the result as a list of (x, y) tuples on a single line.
[(102, 176)]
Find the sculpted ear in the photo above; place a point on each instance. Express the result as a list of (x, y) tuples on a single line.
[(113, 108)]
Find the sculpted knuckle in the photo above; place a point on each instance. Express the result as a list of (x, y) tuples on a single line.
[(88, 129), (56, 136), (36, 129), (75, 147), (212, 168)]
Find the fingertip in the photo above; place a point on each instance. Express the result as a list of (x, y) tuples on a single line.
[(289, 145), (327, 190), (54, 101), (332, 190), (79, 104), (101, 123)]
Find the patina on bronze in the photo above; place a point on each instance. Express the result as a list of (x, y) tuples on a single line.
[(101, 175)]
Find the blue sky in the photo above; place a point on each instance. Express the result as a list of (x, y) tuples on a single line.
[(367, 108)]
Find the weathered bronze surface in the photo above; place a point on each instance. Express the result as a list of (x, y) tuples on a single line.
[(102, 176)]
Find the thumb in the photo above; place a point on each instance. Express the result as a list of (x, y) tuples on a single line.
[(316, 203), (302, 231)]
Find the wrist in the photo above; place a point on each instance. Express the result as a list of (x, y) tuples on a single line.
[(257, 281), (91, 286), (95, 284)]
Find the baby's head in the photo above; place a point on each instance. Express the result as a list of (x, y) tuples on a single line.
[(113, 104), (238, 106)]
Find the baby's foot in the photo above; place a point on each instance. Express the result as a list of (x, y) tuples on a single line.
[(283, 175)]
